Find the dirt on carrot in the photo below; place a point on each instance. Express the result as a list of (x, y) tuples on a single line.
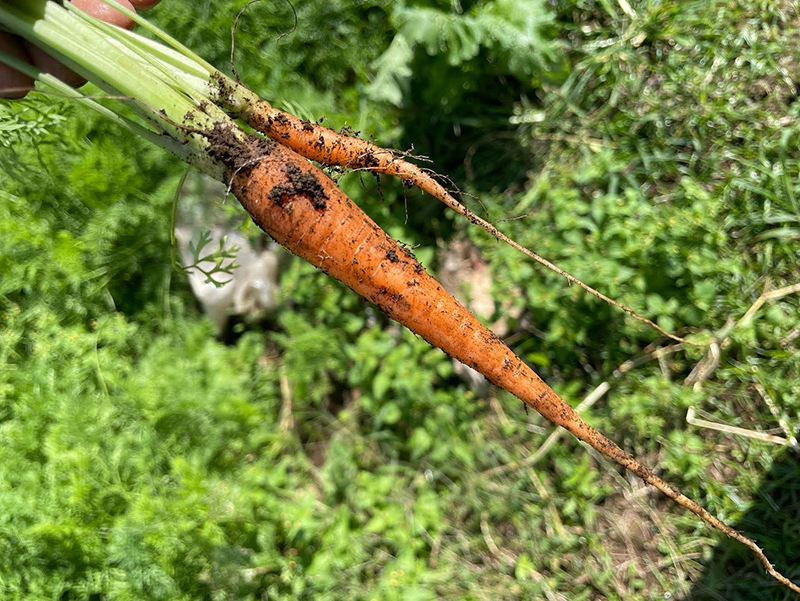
[(299, 183)]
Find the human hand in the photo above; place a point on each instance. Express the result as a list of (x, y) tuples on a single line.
[(14, 84)]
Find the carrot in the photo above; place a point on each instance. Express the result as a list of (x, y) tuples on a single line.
[(302, 209), (329, 147)]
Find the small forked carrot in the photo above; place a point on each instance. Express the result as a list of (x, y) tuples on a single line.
[(304, 210), (330, 147)]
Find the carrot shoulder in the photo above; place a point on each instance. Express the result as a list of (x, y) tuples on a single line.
[(302, 209)]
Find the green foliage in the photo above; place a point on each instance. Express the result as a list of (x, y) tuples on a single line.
[(511, 33), (222, 259), (648, 150), (30, 121)]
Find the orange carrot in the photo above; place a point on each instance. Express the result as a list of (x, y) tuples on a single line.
[(301, 208), (329, 147)]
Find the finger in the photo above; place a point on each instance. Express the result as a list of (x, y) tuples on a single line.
[(142, 4), (13, 84), (96, 9), (104, 12), (44, 62)]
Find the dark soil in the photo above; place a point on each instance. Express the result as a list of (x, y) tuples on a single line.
[(300, 183)]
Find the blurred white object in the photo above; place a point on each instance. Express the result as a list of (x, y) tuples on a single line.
[(251, 289)]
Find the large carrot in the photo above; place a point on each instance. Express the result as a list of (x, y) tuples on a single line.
[(301, 208), (329, 147)]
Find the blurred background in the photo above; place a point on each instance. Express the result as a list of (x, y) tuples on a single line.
[(280, 438)]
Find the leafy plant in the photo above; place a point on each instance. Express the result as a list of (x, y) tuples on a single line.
[(512, 34), (222, 258)]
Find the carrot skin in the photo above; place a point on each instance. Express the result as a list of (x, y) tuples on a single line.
[(329, 147), (304, 210)]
